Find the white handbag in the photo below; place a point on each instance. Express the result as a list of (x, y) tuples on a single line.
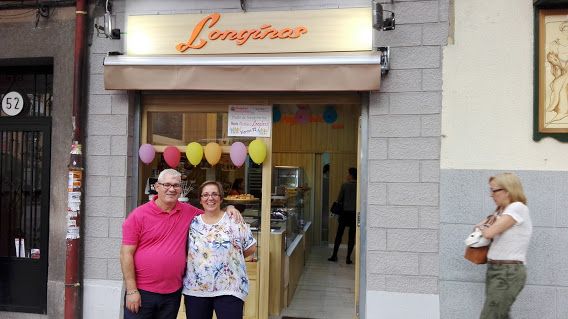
[(476, 239)]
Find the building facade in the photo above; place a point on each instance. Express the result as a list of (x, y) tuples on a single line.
[(455, 108)]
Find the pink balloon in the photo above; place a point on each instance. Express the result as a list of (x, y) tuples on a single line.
[(172, 156), (146, 153), (238, 153)]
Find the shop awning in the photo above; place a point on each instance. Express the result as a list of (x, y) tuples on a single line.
[(360, 71)]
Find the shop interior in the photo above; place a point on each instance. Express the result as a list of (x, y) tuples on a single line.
[(312, 144)]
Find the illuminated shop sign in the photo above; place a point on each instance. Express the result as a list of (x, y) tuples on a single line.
[(240, 37), (251, 32)]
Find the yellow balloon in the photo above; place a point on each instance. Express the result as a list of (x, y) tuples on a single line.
[(212, 153), (194, 152), (257, 151)]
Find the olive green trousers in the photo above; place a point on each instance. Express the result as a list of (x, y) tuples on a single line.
[(503, 284)]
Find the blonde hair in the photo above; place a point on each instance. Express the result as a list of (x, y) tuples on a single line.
[(512, 184)]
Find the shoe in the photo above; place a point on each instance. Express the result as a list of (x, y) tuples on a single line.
[(332, 258), (348, 261)]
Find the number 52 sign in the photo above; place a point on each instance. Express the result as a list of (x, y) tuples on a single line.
[(12, 103)]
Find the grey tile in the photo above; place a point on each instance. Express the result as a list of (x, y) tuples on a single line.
[(535, 302), (540, 258), (541, 195), (461, 196), (460, 299), (562, 303), (452, 264)]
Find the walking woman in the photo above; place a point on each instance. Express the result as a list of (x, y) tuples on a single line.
[(348, 197), (511, 234), (216, 276)]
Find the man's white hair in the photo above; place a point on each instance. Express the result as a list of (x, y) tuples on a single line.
[(170, 172)]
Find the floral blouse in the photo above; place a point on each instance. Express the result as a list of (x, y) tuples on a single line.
[(215, 262)]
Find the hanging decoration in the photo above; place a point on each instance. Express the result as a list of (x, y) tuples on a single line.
[(194, 153), (172, 156), (257, 151), (146, 153), (330, 114), (302, 116), (276, 114), (238, 153), (212, 153)]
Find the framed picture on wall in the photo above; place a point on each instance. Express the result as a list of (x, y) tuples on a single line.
[(552, 65)]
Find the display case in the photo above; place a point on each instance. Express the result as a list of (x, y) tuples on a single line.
[(287, 177), (289, 201), (250, 209)]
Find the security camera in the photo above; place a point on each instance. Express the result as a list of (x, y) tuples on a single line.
[(379, 21)]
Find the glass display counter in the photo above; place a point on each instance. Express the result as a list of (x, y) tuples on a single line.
[(249, 207)]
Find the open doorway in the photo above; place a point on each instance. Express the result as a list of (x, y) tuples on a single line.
[(327, 289)]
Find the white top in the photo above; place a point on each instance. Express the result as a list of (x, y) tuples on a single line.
[(513, 243)]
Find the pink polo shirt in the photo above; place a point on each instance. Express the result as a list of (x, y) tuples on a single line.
[(161, 238)]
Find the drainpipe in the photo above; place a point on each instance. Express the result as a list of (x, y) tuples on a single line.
[(75, 176)]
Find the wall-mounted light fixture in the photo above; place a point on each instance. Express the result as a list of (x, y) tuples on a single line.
[(382, 21), (385, 59)]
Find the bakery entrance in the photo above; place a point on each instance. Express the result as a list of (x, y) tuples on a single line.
[(313, 139)]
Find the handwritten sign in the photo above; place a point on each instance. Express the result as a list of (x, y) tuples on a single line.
[(250, 120)]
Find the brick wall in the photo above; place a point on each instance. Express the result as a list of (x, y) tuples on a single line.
[(404, 152)]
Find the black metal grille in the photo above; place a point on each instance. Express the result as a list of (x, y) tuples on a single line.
[(35, 84), (25, 151), (21, 190)]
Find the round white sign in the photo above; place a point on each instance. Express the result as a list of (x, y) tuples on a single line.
[(12, 103)]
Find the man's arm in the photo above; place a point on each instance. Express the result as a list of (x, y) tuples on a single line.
[(234, 214), (133, 300), (251, 250)]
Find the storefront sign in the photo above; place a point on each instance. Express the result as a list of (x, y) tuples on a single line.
[(250, 120), (251, 32)]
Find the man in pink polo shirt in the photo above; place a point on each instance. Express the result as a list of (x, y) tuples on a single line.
[(153, 251)]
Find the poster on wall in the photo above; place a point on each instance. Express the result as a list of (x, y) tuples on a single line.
[(552, 112), (250, 120)]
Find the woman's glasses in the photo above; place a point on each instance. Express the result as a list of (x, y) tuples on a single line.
[(212, 195), (493, 191)]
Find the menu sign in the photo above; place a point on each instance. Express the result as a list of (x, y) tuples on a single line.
[(250, 120)]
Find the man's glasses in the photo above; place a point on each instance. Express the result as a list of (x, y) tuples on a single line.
[(168, 185), (212, 195)]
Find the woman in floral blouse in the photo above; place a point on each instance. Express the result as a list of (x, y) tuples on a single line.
[(216, 275)]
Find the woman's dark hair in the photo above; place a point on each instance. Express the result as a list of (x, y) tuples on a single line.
[(353, 172), (219, 187)]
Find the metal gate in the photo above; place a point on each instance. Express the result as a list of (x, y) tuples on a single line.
[(25, 142)]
